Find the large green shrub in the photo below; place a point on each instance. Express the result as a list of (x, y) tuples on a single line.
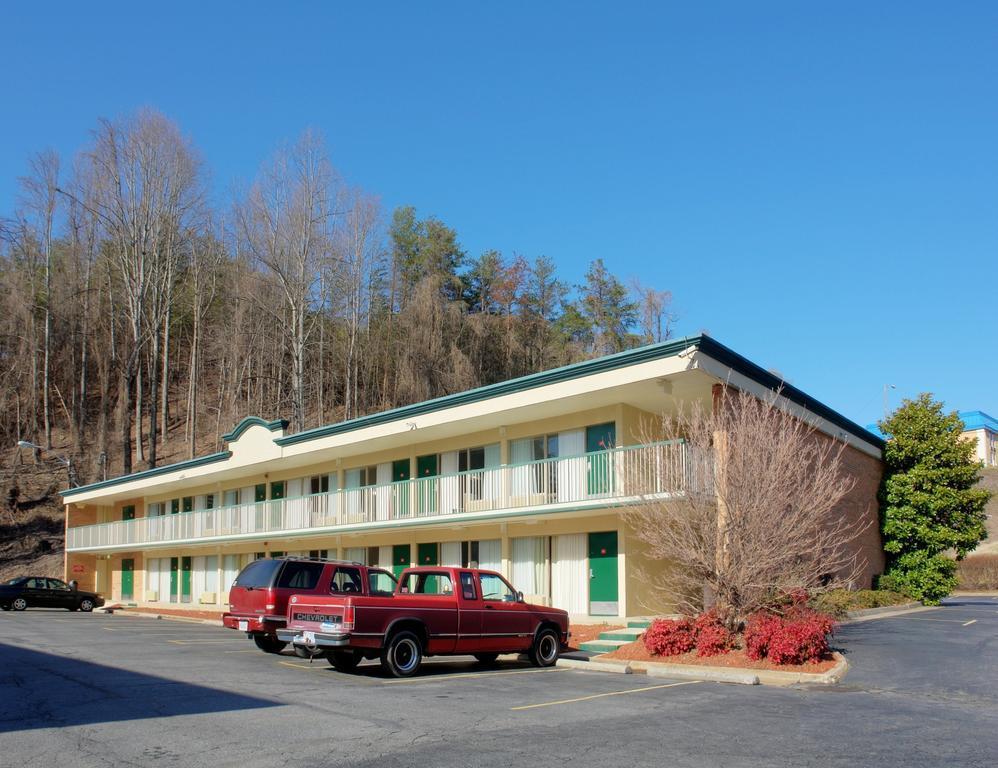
[(929, 503)]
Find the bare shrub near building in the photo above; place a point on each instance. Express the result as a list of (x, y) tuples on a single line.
[(760, 517)]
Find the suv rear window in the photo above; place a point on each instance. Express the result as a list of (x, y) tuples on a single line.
[(259, 573), (298, 575), (347, 580)]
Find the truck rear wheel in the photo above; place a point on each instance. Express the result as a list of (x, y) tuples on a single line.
[(269, 644), (403, 654), (544, 651), (344, 661)]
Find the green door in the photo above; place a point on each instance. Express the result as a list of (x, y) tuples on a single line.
[(429, 554), (260, 493), (426, 471), (127, 579), (188, 503), (401, 553), (174, 569), (175, 506), (603, 597), (185, 579), (400, 477), (128, 512), (599, 440)]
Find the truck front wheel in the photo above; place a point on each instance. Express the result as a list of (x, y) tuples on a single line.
[(403, 654), (544, 651)]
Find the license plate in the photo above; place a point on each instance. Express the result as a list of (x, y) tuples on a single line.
[(243, 626), (309, 637)]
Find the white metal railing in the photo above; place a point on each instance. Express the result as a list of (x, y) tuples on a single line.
[(659, 468)]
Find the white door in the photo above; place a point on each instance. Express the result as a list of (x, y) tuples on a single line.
[(450, 484), (571, 465), (450, 554)]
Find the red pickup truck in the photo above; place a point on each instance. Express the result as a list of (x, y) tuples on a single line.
[(434, 611), (258, 599)]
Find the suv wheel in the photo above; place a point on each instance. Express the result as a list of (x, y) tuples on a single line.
[(544, 651), (86, 605), (19, 604), (403, 654), (344, 661), (269, 643)]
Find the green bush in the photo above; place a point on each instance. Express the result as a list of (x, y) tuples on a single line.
[(923, 577), (838, 602), (978, 572)]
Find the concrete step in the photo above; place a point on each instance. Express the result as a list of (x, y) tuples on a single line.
[(629, 634), (638, 624), (602, 646)]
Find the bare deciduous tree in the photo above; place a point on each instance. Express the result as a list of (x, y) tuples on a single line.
[(765, 517)]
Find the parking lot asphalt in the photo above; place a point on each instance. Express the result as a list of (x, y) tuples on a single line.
[(78, 689)]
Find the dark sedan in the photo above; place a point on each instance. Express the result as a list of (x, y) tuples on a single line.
[(43, 592)]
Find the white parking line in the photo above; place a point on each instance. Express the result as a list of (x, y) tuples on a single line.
[(470, 675), (602, 695), (972, 621)]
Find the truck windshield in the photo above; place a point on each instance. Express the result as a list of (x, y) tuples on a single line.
[(258, 574)]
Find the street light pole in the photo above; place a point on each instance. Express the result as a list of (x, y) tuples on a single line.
[(70, 473), (887, 405)]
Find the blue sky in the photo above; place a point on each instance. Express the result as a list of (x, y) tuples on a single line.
[(815, 183)]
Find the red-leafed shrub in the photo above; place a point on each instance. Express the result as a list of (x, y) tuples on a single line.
[(670, 637), (712, 637), (799, 637)]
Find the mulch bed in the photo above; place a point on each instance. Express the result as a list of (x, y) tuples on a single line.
[(636, 651)]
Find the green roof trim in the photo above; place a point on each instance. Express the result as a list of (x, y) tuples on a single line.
[(253, 421), (189, 464), (746, 367)]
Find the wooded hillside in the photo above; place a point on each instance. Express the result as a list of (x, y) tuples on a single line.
[(136, 311)]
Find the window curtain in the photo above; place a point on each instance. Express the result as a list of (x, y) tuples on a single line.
[(528, 565), (211, 575), (490, 555), (152, 578), (197, 578), (383, 492), (569, 573), (230, 569), (520, 453), (450, 554), (492, 480), (353, 494), (164, 580), (356, 554), (450, 484), (571, 465)]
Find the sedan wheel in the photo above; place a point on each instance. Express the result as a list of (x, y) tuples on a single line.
[(86, 605), (19, 604)]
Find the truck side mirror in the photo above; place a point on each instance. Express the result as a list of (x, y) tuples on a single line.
[(519, 597)]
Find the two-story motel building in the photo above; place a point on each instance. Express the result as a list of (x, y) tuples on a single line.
[(528, 477)]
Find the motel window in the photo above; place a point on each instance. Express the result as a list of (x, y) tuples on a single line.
[(156, 509), (318, 484), (128, 512), (174, 506), (188, 503), (209, 501), (277, 489), (231, 498), (260, 492)]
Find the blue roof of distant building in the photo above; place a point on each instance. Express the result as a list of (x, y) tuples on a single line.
[(972, 420)]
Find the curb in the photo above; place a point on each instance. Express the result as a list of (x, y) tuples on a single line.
[(715, 674), (869, 614), (165, 617), (696, 672), (622, 668)]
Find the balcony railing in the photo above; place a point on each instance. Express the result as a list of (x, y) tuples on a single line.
[(621, 473)]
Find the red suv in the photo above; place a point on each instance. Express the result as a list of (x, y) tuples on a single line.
[(258, 599)]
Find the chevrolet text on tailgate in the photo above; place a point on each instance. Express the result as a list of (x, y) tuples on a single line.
[(258, 600), (434, 611)]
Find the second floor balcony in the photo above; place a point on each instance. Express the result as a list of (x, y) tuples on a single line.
[(616, 476)]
